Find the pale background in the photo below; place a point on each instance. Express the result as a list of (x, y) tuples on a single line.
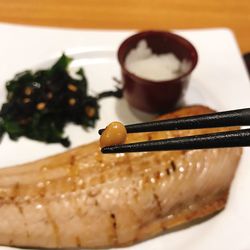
[(131, 14)]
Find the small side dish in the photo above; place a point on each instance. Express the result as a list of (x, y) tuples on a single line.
[(156, 67), (40, 104)]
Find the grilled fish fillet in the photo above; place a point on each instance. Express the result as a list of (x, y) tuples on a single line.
[(82, 198)]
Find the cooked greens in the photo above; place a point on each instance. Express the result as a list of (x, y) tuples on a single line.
[(40, 104)]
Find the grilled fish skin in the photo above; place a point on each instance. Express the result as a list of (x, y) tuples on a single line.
[(82, 198)]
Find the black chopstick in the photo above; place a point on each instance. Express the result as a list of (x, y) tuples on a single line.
[(237, 138), (239, 117)]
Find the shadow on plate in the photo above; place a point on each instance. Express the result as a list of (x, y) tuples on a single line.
[(127, 113)]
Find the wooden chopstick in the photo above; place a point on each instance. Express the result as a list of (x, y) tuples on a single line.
[(239, 117), (237, 138)]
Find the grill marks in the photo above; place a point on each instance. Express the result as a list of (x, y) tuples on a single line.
[(73, 172), (159, 176), (169, 166), (158, 202), (167, 171), (78, 241), (54, 225), (15, 193), (172, 163), (114, 237), (171, 169), (20, 209), (72, 160), (77, 213), (113, 218)]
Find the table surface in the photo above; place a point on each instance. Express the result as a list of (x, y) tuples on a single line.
[(131, 14)]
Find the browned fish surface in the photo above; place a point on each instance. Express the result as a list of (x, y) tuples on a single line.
[(83, 198)]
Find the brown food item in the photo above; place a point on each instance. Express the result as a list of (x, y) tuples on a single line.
[(114, 134), (82, 198)]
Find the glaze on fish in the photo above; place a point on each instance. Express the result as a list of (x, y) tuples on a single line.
[(82, 198)]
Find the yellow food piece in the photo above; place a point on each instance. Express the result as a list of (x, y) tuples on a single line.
[(114, 134)]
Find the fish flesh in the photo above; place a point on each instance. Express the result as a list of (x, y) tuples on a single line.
[(83, 198)]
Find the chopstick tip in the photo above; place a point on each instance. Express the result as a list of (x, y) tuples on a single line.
[(100, 131), (112, 149), (105, 150)]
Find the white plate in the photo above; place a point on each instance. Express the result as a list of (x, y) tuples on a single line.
[(220, 81)]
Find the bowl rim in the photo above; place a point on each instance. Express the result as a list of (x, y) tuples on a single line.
[(144, 33)]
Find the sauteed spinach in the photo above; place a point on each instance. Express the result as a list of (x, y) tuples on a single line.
[(40, 104)]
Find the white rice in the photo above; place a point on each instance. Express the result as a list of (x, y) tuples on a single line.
[(142, 62)]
